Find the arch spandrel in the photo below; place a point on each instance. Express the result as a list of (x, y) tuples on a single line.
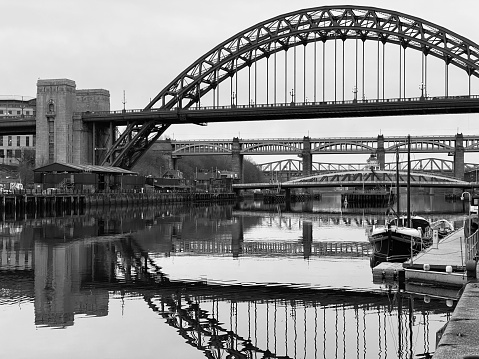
[(311, 25)]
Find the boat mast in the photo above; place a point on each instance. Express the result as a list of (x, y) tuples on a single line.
[(408, 223), (397, 185)]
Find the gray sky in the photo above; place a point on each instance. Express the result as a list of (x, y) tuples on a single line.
[(140, 46)]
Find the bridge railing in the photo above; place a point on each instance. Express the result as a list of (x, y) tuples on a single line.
[(17, 117)]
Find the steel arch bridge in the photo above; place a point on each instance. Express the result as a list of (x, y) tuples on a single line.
[(201, 81)]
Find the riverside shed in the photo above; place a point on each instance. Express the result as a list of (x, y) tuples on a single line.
[(86, 177)]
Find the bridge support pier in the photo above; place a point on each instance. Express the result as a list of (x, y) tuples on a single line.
[(237, 239), (307, 239), (459, 157), (307, 157), (287, 199), (237, 159), (381, 153)]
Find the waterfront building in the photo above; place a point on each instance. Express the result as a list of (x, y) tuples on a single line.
[(68, 176), (14, 148)]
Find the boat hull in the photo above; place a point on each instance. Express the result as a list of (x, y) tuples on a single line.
[(395, 244)]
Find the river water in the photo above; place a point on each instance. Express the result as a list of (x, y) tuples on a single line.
[(246, 279)]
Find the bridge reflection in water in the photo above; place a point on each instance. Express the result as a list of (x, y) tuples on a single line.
[(79, 266)]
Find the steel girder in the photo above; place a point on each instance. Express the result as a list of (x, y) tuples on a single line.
[(379, 177), (419, 165), (313, 25), (133, 143)]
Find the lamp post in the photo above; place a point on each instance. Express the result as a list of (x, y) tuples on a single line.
[(292, 96), (422, 87), (469, 217)]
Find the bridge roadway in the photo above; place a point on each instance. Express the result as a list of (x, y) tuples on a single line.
[(264, 112), (293, 110)]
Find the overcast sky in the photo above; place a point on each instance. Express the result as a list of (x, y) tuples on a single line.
[(140, 46)]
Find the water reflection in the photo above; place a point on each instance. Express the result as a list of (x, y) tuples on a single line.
[(77, 266)]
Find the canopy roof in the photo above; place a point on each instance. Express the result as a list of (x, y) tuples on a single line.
[(74, 168)]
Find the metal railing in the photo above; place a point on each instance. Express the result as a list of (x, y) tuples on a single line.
[(471, 246)]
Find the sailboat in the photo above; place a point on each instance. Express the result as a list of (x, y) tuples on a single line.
[(402, 236)]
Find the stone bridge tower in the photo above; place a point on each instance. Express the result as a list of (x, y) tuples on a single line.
[(61, 136)]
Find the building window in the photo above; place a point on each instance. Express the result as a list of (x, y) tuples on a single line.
[(9, 153), (9, 140), (18, 154), (1, 140), (34, 137), (27, 141), (10, 112), (19, 112), (1, 112), (27, 112), (2, 153), (18, 141)]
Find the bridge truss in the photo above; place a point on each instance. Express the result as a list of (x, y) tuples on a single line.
[(376, 178), (294, 167)]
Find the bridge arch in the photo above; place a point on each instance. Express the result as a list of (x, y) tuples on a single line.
[(204, 147), (319, 24), (433, 145), (285, 147), (332, 146)]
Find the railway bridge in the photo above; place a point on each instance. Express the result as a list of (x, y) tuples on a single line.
[(306, 147)]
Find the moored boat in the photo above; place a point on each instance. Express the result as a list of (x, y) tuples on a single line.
[(395, 241)]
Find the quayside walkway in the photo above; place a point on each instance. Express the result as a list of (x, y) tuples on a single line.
[(461, 336), (448, 266)]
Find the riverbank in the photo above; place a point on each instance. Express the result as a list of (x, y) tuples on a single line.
[(50, 202)]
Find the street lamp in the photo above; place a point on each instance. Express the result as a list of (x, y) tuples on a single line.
[(292, 96), (469, 217), (355, 92), (422, 87)]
